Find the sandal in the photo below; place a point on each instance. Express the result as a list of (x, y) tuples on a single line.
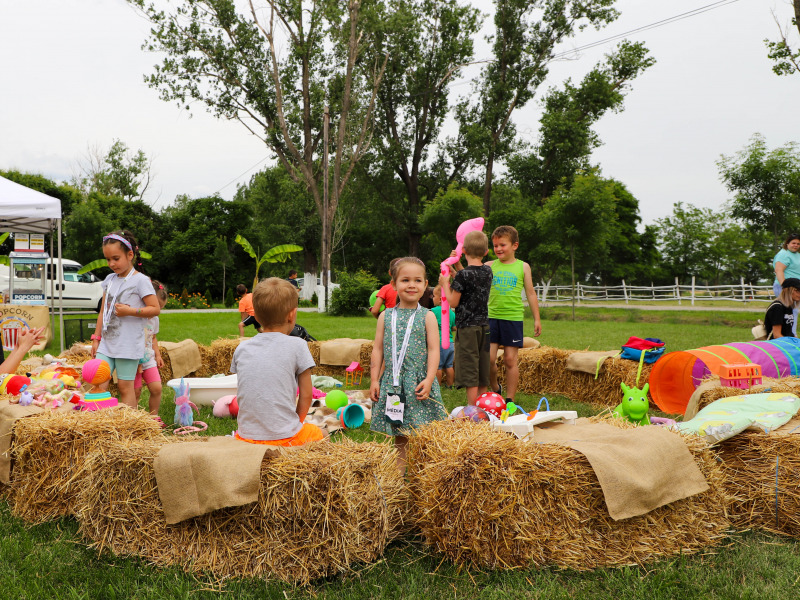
[(158, 420)]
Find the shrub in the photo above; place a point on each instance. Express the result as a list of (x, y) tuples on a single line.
[(173, 302), (229, 298), (352, 295), (197, 301), (209, 299), (315, 299), (184, 297)]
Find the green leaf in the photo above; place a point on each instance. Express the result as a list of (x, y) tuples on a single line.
[(246, 245), (146, 255), (279, 253), (4, 237), (4, 261), (95, 264)]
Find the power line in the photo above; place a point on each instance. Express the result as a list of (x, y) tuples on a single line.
[(242, 174)]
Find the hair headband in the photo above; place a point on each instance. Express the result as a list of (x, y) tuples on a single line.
[(119, 238)]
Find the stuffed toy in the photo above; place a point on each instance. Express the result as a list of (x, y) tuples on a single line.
[(184, 412), (634, 405), (227, 406)]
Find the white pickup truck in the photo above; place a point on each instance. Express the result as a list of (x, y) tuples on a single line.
[(78, 291)]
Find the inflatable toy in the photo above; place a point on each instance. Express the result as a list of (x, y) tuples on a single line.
[(634, 406), (472, 413), (475, 224), (336, 399), (374, 296), (227, 406), (492, 403)]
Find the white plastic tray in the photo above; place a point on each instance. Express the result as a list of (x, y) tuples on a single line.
[(522, 427), (206, 390)]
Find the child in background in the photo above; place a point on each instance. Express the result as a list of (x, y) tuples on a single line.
[(271, 367), (151, 362), (405, 355), (510, 278), (387, 295), (128, 300), (246, 309), (445, 374), (469, 296)]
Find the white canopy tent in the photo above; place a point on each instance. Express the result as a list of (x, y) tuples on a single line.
[(25, 210)]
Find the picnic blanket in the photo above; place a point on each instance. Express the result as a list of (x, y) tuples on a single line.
[(638, 469), (340, 351), (184, 357), (9, 415), (195, 478)]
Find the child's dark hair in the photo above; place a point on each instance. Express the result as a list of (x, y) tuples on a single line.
[(397, 263), (292, 272), (132, 244), (506, 231), (160, 289), (241, 289)]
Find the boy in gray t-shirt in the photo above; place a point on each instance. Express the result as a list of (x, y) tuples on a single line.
[(271, 368)]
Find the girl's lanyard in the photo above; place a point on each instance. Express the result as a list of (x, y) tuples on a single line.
[(111, 297), (397, 359)]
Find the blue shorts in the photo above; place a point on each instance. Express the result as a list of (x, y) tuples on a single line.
[(505, 333), (446, 357), (126, 367)]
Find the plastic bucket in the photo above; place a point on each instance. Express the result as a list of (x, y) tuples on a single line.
[(351, 416)]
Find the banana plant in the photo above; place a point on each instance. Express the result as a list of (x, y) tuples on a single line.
[(4, 259), (273, 255), (102, 262)]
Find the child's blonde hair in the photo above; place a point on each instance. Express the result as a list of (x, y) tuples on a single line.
[(785, 297), (273, 299), (506, 231), (397, 264), (476, 244)]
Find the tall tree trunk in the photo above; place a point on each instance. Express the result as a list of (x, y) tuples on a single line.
[(414, 235), (572, 261), (487, 186)]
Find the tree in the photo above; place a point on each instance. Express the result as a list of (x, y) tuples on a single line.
[(273, 255), (787, 61), (441, 218), (766, 184), (686, 238), (526, 34), (276, 70), (223, 255), (581, 218), (566, 138), (427, 42), (118, 172)]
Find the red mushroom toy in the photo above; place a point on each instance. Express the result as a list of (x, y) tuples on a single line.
[(492, 403)]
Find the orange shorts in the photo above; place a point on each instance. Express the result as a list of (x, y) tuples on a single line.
[(308, 433)]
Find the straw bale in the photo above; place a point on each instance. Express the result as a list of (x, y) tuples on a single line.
[(364, 358), (50, 448), (543, 371), (487, 499), (321, 508), (785, 385), (759, 471)]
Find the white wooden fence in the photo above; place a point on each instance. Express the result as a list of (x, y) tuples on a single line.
[(741, 292)]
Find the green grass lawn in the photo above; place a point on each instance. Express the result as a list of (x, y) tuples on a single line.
[(51, 561)]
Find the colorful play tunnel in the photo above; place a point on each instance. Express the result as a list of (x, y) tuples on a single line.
[(676, 375)]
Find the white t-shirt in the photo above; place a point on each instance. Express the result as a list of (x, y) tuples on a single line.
[(267, 366), (123, 337)]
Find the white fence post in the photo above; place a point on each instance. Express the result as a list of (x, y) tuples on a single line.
[(744, 297), (692, 290), (624, 291), (678, 291)]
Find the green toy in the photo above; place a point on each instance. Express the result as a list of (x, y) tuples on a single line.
[(634, 405), (374, 296)]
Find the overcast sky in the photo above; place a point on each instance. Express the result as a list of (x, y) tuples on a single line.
[(72, 73)]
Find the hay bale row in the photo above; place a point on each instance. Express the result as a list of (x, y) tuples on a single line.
[(49, 450), (321, 508), (543, 371), (487, 499), (761, 473)]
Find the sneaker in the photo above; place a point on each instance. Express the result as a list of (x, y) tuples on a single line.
[(499, 390)]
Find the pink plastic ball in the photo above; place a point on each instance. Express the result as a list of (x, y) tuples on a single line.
[(492, 402)]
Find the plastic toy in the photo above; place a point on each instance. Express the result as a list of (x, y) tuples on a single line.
[(353, 373), (351, 416), (227, 406), (466, 227), (184, 412), (492, 403), (336, 399), (634, 405), (25, 399), (96, 372), (374, 296), (742, 375), (473, 413)]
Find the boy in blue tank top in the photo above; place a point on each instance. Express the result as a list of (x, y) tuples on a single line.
[(510, 277)]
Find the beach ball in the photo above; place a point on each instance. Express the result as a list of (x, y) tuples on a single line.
[(473, 413), (96, 371), (492, 402), (336, 399), (374, 296)]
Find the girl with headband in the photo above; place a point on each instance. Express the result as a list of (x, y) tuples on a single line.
[(128, 300)]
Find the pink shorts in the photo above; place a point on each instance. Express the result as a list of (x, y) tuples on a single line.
[(149, 375)]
